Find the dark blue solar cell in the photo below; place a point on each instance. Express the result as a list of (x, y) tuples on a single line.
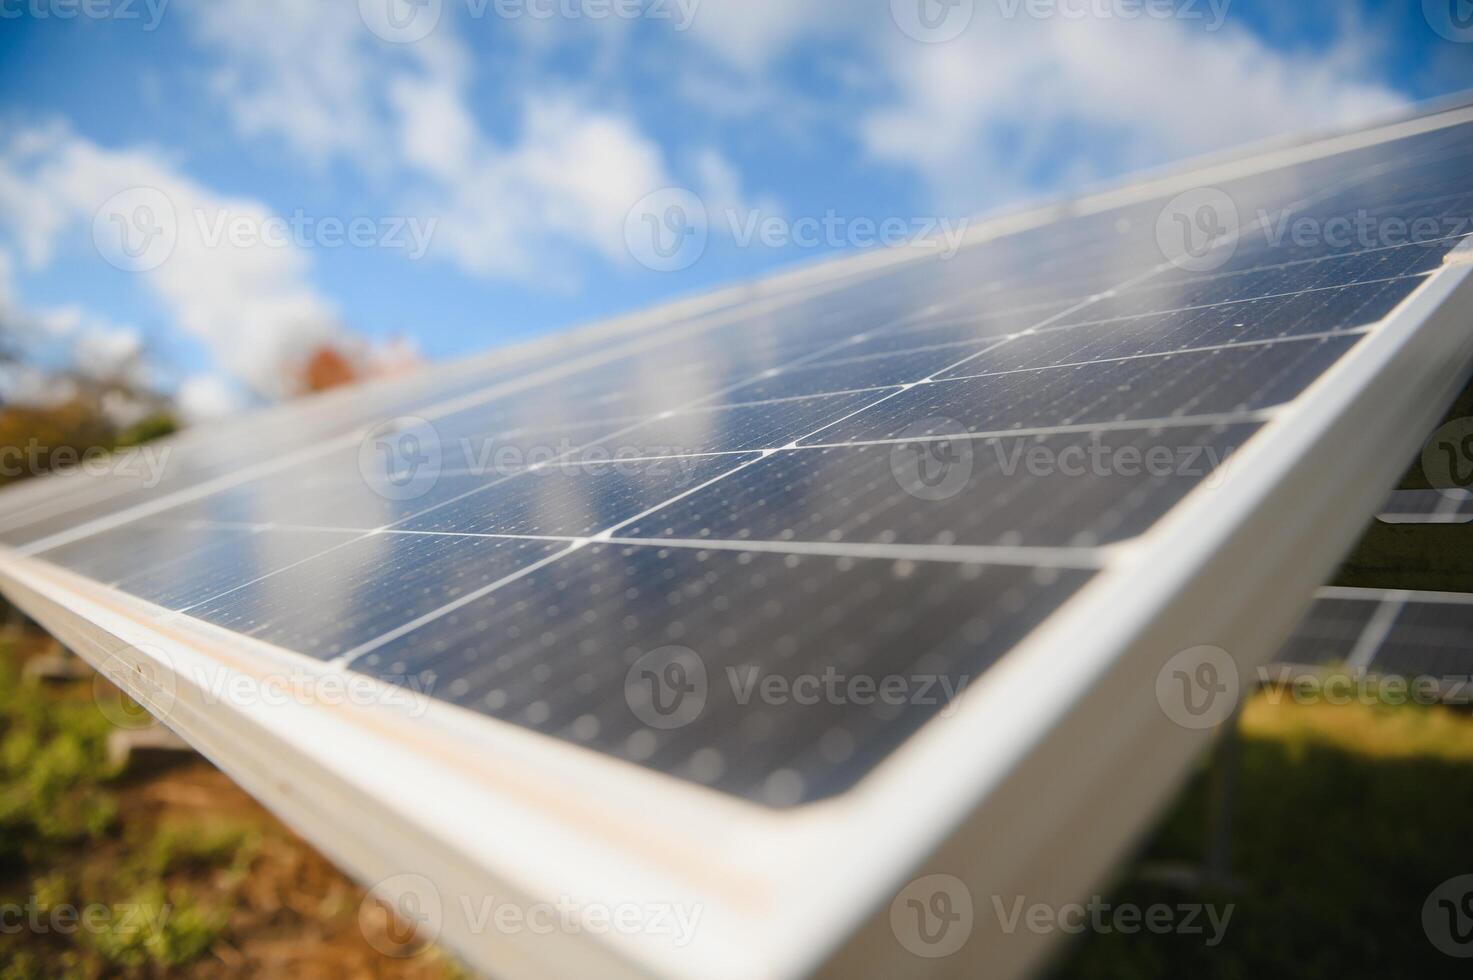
[(1328, 633), (356, 589), (1199, 383), (235, 559), (1430, 639), (1422, 638), (576, 497), (579, 648), (734, 428), (1071, 490)]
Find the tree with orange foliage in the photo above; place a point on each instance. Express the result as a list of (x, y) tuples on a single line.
[(327, 368)]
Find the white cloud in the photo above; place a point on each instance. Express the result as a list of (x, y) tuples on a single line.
[(977, 115), (251, 304), (99, 348), (1015, 106), (587, 167), (309, 74), (314, 76), (1019, 105), (34, 219), (203, 397), (436, 132), (751, 34), (570, 178)]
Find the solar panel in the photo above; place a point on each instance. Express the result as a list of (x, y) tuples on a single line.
[(1449, 506), (1416, 636), (777, 602)]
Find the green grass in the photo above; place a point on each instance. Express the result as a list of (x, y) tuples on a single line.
[(160, 927), (183, 847), (61, 851), (53, 767), (1346, 818)]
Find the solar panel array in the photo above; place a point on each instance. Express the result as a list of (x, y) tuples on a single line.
[(895, 478)]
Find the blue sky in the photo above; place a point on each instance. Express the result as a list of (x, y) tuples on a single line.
[(531, 142)]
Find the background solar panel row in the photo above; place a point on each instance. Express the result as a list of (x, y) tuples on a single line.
[(1402, 634), (1447, 506)]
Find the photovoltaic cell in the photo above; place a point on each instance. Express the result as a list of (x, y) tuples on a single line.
[(1070, 490), (1255, 320), (1228, 380), (1329, 632), (736, 428), (363, 587), (236, 558), (1429, 639), (576, 498), (330, 497), (566, 648), (868, 372), (115, 554)]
